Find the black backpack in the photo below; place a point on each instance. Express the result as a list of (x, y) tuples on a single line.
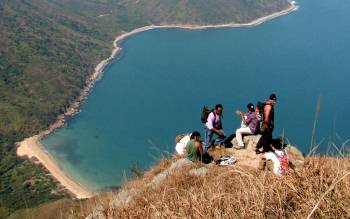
[(205, 113), (261, 106), (260, 115)]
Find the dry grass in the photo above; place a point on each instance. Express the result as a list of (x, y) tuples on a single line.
[(323, 185)]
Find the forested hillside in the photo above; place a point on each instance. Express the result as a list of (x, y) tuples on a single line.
[(200, 12), (48, 48)]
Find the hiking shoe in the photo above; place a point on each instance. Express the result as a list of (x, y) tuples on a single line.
[(239, 147), (227, 160)]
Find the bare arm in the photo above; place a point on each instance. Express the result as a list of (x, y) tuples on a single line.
[(241, 115), (217, 131), (267, 111), (198, 145)]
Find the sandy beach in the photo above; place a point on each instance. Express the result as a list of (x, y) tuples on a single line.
[(31, 147)]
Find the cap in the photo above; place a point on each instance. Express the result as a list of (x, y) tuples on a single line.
[(250, 106), (273, 97)]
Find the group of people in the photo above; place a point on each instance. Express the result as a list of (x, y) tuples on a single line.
[(258, 119)]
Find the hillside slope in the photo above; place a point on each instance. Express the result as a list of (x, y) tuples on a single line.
[(320, 189), (201, 12), (315, 186)]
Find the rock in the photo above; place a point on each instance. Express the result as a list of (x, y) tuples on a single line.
[(123, 197), (97, 214), (250, 141), (176, 166), (179, 164), (160, 177), (295, 157), (200, 171), (248, 157)]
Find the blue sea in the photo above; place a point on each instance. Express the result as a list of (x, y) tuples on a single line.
[(157, 87)]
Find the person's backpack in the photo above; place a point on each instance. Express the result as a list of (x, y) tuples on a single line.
[(260, 110), (205, 113), (260, 115), (284, 162)]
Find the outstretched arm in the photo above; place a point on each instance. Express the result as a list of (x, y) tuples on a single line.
[(240, 114)]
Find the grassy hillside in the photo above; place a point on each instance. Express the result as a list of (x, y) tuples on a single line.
[(320, 189), (225, 192), (49, 47)]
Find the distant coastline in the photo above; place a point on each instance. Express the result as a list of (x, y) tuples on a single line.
[(31, 147)]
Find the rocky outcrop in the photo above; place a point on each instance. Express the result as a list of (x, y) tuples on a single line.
[(176, 166), (248, 156), (296, 157), (97, 213), (123, 197), (245, 158)]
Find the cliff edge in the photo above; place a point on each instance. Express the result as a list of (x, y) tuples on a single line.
[(313, 187)]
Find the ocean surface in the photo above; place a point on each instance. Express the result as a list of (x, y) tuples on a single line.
[(157, 87)]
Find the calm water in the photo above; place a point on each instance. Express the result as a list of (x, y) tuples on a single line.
[(159, 84)]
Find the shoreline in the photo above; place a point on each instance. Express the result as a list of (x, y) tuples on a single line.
[(31, 147)]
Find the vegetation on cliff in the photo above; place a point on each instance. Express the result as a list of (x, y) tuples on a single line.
[(49, 48)]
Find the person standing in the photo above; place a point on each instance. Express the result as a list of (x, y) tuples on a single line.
[(264, 144), (213, 126)]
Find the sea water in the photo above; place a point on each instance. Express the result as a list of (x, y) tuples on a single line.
[(157, 87)]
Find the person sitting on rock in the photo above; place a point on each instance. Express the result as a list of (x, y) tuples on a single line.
[(214, 126), (248, 126), (194, 147)]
